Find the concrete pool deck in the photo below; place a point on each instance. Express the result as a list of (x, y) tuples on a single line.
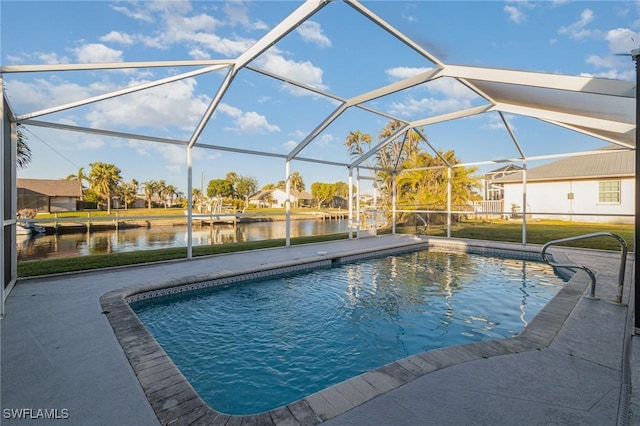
[(572, 365)]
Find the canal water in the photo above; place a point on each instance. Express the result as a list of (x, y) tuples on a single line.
[(156, 237)]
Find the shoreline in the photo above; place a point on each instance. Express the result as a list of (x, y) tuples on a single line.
[(123, 222)]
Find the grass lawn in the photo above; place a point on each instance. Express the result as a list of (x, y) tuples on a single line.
[(538, 232)]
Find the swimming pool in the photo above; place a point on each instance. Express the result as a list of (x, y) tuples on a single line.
[(257, 345)]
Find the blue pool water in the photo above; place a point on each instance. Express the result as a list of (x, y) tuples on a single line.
[(251, 347)]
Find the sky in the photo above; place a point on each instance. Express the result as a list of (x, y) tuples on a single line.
[(336, 50)]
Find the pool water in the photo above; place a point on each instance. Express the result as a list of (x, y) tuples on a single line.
[(250, 347)]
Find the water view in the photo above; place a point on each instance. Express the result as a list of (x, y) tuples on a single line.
[(156, 237)]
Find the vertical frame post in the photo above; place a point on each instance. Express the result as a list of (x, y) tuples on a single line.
[(635, 55), (287, 204), (190, 202), (524, 202), (448, 202), (393, 203), (350, 225)]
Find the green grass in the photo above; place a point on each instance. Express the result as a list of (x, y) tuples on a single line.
[(56, 266), (537, 233)]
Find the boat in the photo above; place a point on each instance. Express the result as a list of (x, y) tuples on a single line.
[(28, 228), (215, 217), (217, 212)]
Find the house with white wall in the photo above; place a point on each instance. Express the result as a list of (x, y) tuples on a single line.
[(277, 198), (587, 188)]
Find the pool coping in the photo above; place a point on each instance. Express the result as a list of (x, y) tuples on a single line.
[(174, 400)]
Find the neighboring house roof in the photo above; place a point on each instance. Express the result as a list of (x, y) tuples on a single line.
[(606, 165), (508, 169), (302, 195), (51, 187), (261, 195)]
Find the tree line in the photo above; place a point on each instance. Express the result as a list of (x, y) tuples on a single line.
[(422, 184), (423, 181)]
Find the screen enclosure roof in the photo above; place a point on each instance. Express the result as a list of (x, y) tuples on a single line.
[(600, 108)]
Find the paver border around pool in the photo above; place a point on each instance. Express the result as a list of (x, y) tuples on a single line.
[(176, 402)]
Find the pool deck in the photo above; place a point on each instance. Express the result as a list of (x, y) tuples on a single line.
[(69, 346)]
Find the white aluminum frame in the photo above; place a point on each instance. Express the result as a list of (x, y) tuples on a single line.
[(485, 82)]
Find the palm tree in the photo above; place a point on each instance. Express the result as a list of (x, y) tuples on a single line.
[(170, 192), (355, 141), (80, 177), (150, 188), (161, 190), (297, 185), (104, 181), (128, 192), (197, 198), (392, 156), (23, 154)]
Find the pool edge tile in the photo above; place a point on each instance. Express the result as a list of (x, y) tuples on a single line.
[(185, 406)]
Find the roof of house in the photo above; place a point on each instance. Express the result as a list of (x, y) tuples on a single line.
[(508, 169), (52, 187), (612, 162), (261, 195)]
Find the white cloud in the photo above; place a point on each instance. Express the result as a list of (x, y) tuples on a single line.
[(400, 73), (622, 40), (52, 58), (514, 14), (117, 37), (91, 143), (612, 65), (141, 148), (577, 30), (312, 31), (247, 122), (165, 106), (411, 106), (138, 15), (299, 134), (303, 72), (325, 140), (41, 93), (239, 15), (197, 53), (96, 52), (290, 144), (494, 122), (197, 33), (449, 94), (409, 18), (175, 157)]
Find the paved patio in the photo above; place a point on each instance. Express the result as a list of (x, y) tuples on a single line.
[(63, 352)]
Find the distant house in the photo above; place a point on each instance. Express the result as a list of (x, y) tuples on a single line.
[(339, 203), (588, 188), (492, 191), (277, 198), (48, 195)]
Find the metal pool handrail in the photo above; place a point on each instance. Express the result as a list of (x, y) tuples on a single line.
[(423, 221), (623, 259)]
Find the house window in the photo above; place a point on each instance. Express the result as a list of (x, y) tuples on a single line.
[(609, 191)]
